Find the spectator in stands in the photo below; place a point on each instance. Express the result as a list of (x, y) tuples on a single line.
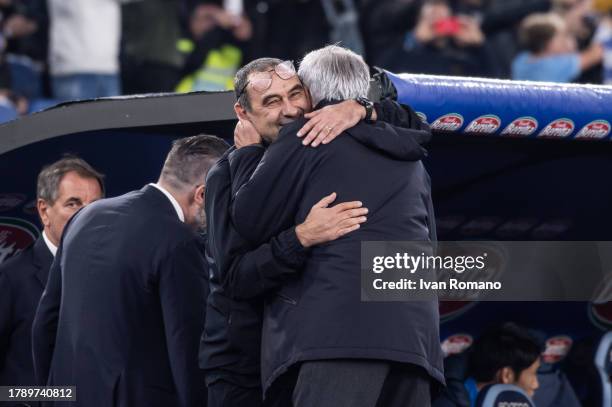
[(441, 43), (581, 20), (287, 29), (508, 354), (150, 59), (84, 48), (383, 24), (499, 21), (24, 29), (216, 46), (551, 53), (604, 35), (63, 188)]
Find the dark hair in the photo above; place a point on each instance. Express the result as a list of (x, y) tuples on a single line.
[(190, 158), (538, 30), (508, 345), (49, 178), (242, 77)]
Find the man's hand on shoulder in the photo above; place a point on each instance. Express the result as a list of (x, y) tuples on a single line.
[(324, 224), (245, 134), (327, 123)]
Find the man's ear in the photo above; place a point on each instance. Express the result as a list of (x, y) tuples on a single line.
[(43, 207), (198, 194), (505, 375), (240, 111)]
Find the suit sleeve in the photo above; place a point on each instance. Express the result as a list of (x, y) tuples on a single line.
[(183, 306), (44, 328), (267, 203), (259, 271), (398, 132), (6, 316), (245, 271), (243, 162), (400, 115)]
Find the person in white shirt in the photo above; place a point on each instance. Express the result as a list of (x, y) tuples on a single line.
[(84, 39)]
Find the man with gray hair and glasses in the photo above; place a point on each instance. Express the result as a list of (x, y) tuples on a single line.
[(322, 346), (63, 188)]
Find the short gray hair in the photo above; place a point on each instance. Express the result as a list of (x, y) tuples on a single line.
[(242, 77), (190, 158), (50, 177), (334, 73)]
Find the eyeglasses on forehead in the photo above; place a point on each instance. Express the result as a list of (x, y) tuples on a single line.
[(261, 81)]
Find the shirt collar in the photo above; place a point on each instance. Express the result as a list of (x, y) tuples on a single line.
[(50, 245), (173, 201)]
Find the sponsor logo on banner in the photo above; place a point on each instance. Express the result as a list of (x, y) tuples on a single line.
[(448, 122), (597, 130), (522, 127), (487, 124), (559, 128), (10, 201), (15, 235), (556, 349), (422, 116), (456, 344)]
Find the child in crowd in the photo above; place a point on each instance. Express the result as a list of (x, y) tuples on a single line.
[(551, 54)]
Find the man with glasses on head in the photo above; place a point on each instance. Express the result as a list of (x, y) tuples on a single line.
[(322, 346), (270, 95)]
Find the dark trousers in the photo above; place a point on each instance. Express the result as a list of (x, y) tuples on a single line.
[(225, 394), (360, 383)]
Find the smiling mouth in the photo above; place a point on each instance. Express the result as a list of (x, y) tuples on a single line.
[(286, 121)]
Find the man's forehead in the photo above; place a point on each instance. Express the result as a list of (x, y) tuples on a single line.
[(72, 182), (278, 87)]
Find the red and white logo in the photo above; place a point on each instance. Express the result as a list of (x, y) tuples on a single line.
[(596, 130), (559, 128), (522, 127), (448, 122), (487, 124), (15, 235), (557, 349), (455, 344), (10, 201)]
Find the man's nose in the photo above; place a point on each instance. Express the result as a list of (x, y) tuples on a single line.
[(289, 110)]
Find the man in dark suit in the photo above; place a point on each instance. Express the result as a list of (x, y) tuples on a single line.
[(344, 351), (123, 309), (242, 274), (63, 188)]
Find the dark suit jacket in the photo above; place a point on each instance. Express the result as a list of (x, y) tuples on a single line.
[(123, 309), (240, 275), (22, 281), (319, 315)]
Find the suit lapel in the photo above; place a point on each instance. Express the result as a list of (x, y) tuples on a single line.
[(42, 260)]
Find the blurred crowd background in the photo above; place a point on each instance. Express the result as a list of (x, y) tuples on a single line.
[(59, 50)]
